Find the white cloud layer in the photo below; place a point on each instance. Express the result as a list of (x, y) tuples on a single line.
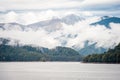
[(29, 17), (56, 4), (69, 35)]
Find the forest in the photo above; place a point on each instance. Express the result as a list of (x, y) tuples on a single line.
[(111, 56), (29, 53)]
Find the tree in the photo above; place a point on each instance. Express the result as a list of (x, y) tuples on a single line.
[(111, 56)]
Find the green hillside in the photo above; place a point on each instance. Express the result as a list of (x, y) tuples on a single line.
[(29, 53), (111, 56)]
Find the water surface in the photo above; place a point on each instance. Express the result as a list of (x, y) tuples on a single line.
[(58, 71)]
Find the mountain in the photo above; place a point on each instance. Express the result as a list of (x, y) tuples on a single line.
[(60, 33), (30, 53), (71, 19), (12, 26), (106, 21), (48, 25), (90, 49), (56, 23), (111, 56)]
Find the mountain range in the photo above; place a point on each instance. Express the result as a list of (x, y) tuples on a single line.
[(31, 53), (106, 20), (57, 24)]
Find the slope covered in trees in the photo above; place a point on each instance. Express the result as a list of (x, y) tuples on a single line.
[(111, 56), (29, 53)]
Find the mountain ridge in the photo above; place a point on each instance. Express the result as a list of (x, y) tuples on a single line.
[(106, 21), (56, 23)]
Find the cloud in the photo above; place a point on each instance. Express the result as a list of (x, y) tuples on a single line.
[(38, 4), (60, 4), (100, 34), (11, 17), (38, 38), (69, 35), (100, 5), (29, 17), (2, 9), (92, 2)]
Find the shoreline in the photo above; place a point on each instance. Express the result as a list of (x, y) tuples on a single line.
[(56, 62)]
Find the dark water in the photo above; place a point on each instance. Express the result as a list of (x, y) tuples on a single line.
[(58, 71)]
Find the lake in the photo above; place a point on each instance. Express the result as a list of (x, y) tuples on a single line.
[(58, 71)]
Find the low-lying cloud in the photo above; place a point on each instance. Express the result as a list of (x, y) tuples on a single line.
[(29, 17), (60, 4), (68, 35)]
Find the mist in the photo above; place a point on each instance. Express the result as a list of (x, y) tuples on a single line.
[(68, 35)]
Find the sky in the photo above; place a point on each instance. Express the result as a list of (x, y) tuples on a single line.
[(30, 11), (84, 5), (60, 4)]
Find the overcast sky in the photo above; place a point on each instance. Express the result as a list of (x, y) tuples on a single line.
[(105, 37), (60, 4), (87, 7)]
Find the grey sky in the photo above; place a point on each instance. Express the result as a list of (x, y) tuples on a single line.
[(60, 4)]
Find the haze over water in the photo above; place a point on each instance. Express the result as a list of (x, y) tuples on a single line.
[(58, 71)]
